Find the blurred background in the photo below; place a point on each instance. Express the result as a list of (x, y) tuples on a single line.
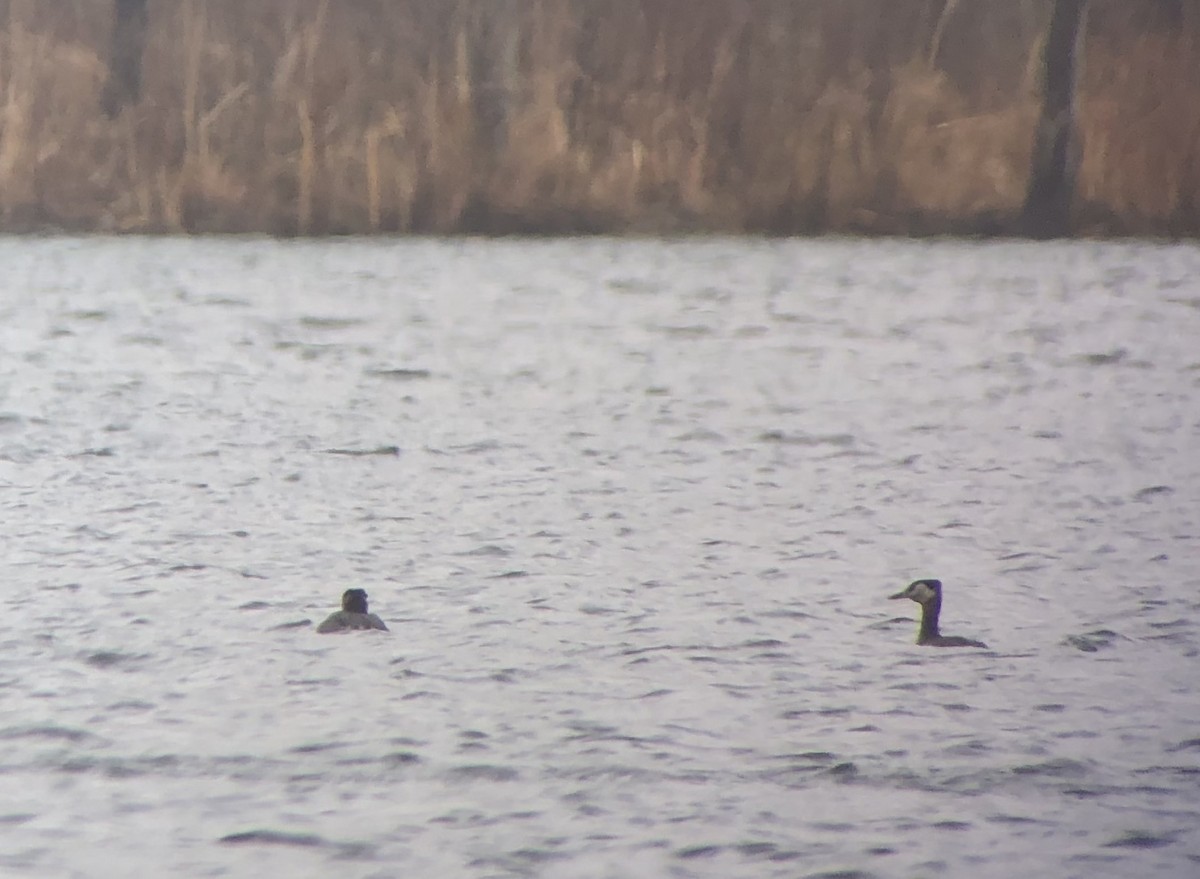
[(554, 116)]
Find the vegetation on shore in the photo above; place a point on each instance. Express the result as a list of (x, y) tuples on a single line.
[(384, 116)]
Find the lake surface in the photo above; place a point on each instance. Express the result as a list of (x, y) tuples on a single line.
[(632, 511)]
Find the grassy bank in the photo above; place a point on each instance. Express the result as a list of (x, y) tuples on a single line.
[(360, 116)]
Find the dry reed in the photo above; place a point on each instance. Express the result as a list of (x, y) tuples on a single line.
[(381, 116)]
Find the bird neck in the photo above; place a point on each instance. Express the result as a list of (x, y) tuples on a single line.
[(929, 620)]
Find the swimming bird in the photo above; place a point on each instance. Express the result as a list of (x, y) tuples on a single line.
[(928, 594), (353, 615)]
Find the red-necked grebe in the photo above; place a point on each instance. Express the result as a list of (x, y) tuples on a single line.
[(353, 615), (928, 594)]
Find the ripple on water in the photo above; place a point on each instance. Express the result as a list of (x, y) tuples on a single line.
[(164, 765), (1152, 492), (1061, 767), (482, 772), (273, 837), (693, 487), (1094, 641), (51, 732), (1141, 839), (114, 659)]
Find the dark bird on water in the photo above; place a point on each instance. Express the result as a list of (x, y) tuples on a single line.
[(352, 616), (928, 594)]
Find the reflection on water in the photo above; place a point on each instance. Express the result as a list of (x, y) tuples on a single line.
[(632, 511)]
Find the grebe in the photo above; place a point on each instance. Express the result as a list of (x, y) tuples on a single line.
[(353, 615), (928, 594)]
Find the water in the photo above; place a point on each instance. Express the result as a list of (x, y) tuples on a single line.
[(632, 511)]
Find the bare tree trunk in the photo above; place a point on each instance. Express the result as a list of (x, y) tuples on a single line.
[(124, 84), (494, 68), (935, 42), (1047, 210)]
